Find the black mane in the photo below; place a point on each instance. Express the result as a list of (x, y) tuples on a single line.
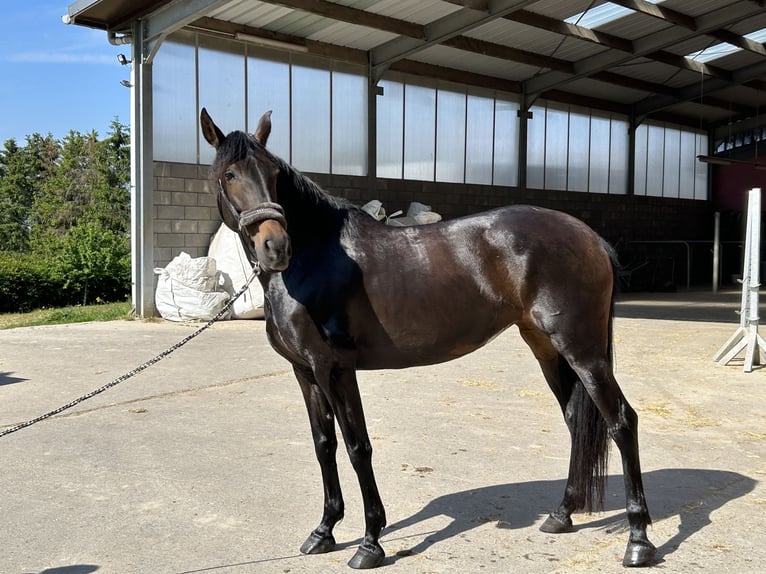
[(238, 145)]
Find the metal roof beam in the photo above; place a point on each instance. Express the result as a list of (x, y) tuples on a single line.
[(739, 41), (542, 22), (611, 41), (355, 16), (658, 11), (697, 92), (441, 30), (649, 44), (503, 52), (172, 17), (679, 19)]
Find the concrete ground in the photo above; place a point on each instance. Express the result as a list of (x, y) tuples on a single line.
[(203, 463)]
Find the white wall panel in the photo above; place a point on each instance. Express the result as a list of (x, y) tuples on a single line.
[(349, 124), (450, 136), (479, 140), (176, 123)]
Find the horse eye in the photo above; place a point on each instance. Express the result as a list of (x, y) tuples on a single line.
[(229, 175)]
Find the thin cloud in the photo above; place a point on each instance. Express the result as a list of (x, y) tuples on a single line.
[(59, 58)]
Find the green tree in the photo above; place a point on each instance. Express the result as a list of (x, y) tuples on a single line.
[(67, 204), (21, 171), (95, 261)]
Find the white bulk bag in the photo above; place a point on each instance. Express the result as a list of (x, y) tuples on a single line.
[(190, 289), (231, 261)]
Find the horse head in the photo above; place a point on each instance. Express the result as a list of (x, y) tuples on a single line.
[(243, 177)]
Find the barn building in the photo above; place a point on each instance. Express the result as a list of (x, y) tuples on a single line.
[(641, 117)]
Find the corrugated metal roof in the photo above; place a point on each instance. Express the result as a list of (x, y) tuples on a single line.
[(626, 61)]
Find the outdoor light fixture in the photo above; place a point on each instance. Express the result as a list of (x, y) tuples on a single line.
[(126, 83), (269, 43), (122, 59)]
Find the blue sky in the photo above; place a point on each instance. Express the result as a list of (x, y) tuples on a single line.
[(54, 77)]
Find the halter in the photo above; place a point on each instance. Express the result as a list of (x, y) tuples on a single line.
[(261, 212)]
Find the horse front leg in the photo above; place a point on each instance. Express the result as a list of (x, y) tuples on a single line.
[(343, 393), (322, 422)]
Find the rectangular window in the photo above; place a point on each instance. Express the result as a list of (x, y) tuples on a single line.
[(600, 131), (556, 144), (450, 136), (221, 86), (349, 124), (639, 178), (479, 140), (268, 88), (579, 151), (419, 132), (618, 156), (175, 113), (700, 169), (536, 148), (687, 160), (311, 119), (672, 161), (506, 150), (655, 158), (390, 128)]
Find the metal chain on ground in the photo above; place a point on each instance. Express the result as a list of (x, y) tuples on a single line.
[(138, 369)]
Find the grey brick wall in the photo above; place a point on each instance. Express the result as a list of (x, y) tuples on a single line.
[(186, 215)]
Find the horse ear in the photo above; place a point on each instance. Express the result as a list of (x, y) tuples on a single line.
[(264, 129), (213, 135)]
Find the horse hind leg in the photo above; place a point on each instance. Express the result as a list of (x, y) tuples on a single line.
[(622, 424), (589, 443)]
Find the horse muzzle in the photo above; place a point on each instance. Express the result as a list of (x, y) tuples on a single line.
[(272, 246)]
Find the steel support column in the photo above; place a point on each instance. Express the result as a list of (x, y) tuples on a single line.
[(141, 178)]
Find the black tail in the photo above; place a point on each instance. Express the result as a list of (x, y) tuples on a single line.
[(590, 435), (590, 451)]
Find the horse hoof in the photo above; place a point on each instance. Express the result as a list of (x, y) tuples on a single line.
[(639, 554), (555, 525), (366, 557), (318, 544)]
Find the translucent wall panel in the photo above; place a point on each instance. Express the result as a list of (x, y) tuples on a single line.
[(176, 122), (479, 140), (655, 157), (556, 143), (450, 136), (268, 88), (670, 170), (618, 157), (390, 127), (506, 143), (221, 85), (600, 131), (700, 169), (639, 179), (536, 148), (579, 151), (349, 124), (311, 119), (419, 132), (687, 160)]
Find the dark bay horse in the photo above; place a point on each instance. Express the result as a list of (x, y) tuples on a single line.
[(345, 292)]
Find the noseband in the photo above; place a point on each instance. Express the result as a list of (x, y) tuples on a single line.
[(261, 212)]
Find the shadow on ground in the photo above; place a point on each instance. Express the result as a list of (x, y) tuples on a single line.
[(692, 494), (8, 379)]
